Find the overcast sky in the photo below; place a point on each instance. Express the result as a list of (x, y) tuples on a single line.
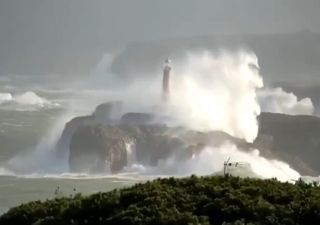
[(35, 27), (117, 22)]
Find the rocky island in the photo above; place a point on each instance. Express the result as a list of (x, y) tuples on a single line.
[(103, 143)]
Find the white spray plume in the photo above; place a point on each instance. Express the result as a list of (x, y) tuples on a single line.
[(43, 158), (208, 92), (5, 98), (211, 160), (28, 101), (277, 100), (217, 92)]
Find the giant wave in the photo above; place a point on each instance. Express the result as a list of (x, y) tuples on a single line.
[(213, 91)]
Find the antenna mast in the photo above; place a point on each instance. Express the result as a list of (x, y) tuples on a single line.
[(225, 166)]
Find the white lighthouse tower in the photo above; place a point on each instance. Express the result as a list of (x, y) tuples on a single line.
[(166, 81)]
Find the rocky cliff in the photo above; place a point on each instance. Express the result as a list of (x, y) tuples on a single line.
[(106, 148), (98, 149), (101, 144), (105, 113), (294, 139)]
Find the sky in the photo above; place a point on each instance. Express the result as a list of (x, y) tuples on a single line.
[(41, 36)]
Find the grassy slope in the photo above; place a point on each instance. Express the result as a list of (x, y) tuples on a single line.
[(193, 200)]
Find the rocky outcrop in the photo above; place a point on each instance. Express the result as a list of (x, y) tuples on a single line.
[(109, 112), (105, 148), (294, 139), (69, 129), (137, 118), (98, 149), (99, 142), (106, 113)]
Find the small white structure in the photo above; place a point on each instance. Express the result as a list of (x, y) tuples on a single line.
[(229, 166)]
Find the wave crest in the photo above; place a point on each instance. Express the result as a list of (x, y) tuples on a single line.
[(28, 101)]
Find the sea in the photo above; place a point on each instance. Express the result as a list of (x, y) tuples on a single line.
[(33, 112)]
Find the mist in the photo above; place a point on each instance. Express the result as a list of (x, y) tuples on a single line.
[(85, 106), (278, 101), (211, 160), (221, 91)]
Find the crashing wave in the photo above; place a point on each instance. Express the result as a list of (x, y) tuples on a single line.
[(210, 161), (276, 100), (5, 97), (28, 101), (212, 92)]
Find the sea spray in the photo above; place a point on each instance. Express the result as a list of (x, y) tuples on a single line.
[(42, 159), (210, 161), (131, 153), (209, 92), (218, 92), (215, 92), (5, 98), (27, 101), (278, 101)]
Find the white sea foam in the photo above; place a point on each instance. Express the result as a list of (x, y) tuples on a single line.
[(218, 92), (28, 101), (277, 100), (211, 162), (209, 91), (5, 97)]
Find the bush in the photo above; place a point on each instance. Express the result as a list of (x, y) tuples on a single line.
[(194, 200)]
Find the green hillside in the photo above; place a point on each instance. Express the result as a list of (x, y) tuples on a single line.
[(193, 200)]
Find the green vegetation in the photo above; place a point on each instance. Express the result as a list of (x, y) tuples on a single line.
[(193, 200)]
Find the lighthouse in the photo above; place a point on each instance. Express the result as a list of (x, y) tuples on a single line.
[(166, 81)]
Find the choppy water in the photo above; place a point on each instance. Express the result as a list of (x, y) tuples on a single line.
[(17, 190), (32, 120), (26, 126)]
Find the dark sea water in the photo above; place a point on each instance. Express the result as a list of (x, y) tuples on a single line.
[(31, 121)]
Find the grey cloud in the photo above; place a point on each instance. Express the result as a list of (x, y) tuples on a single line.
[(70, 36)]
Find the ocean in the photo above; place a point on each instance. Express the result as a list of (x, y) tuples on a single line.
[(35, 109), (33, 113)]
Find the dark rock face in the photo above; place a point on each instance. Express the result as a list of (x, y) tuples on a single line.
[(99, 143), (137, 118), (98, 149), (108, 112), (105, 148), (294, 139), (104, 114), (69, 129)]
